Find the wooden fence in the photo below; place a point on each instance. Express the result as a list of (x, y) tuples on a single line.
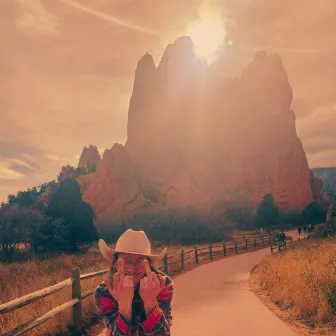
[(279, 246), (192, 256)]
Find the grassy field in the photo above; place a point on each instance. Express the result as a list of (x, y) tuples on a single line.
[(18, 279), (302, 281)]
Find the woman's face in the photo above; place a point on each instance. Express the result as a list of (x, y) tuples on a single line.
[(133, 266)]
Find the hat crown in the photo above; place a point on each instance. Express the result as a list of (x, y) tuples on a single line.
[(133, 242)]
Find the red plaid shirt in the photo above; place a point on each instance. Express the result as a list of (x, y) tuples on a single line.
[(157, 323)]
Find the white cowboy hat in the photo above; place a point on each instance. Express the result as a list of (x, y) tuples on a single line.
[(135, 242)]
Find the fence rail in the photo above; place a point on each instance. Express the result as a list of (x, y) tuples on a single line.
[(279, 246), (78, 296)]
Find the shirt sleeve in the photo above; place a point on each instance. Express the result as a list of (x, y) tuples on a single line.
[(159, 321), (108, 309)]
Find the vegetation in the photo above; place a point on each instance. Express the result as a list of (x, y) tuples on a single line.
[(30, 196), (76, 216), (73, 172), (267, 213), (302, 281), (18, 279), (314, 214), (327, 229), (178, 227), (241, 215), (64, 224)]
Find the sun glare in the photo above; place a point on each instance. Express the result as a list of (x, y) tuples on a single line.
[(207, 35)]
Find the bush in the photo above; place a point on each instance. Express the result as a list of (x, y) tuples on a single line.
[(168, 228), (313, 213), (327, 229)]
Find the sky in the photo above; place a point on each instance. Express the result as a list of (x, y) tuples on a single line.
[(67, 70)]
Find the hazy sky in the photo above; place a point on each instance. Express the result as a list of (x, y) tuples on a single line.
[(67, 67)]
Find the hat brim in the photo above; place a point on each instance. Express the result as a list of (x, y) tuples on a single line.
[(108, 253)]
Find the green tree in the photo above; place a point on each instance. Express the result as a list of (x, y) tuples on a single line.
[(25, 198), (14, 228), (313, 213), (49, 234), (67, 204), (267, 213)]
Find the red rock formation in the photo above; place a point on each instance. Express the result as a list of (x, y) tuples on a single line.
[(89, 159), (67, 172), (114, 189), (197, 140)]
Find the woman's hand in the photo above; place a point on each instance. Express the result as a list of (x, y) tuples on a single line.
[(150, 287), (122, 289)]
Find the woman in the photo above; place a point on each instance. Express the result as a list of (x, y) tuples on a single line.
[(136, 297)]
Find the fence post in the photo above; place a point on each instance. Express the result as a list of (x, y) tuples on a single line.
[(182, 259), (271, 249), (76, 294), (196, 255), (236, 248), (263, 241), (224, 249), (210, 252), (255, 243), (246, 244), (279, 246), (165, 263)]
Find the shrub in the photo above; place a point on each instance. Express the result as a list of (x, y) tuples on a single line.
[(168, 228), (327, 229)]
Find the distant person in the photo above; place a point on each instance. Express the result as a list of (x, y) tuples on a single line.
[(299, 232), (282, 237), (305, 230), (135, 299)]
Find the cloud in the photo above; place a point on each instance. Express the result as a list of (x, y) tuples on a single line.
[(15, 149), (35, 19), (18, 160), (110, 18), (8, 173)]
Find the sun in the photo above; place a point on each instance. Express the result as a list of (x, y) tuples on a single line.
[(207, 34)]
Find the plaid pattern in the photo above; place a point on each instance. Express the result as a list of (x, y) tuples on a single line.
[(158, 323)]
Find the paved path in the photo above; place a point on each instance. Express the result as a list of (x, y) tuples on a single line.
[(214, 299)]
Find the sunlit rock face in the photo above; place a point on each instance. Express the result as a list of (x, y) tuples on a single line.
[(197, 140)]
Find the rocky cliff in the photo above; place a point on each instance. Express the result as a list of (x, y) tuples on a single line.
[(328, 176), (89, 159), (196, 139)]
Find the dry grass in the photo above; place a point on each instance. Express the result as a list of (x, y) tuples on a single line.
[(18, 279), (302, 280)]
